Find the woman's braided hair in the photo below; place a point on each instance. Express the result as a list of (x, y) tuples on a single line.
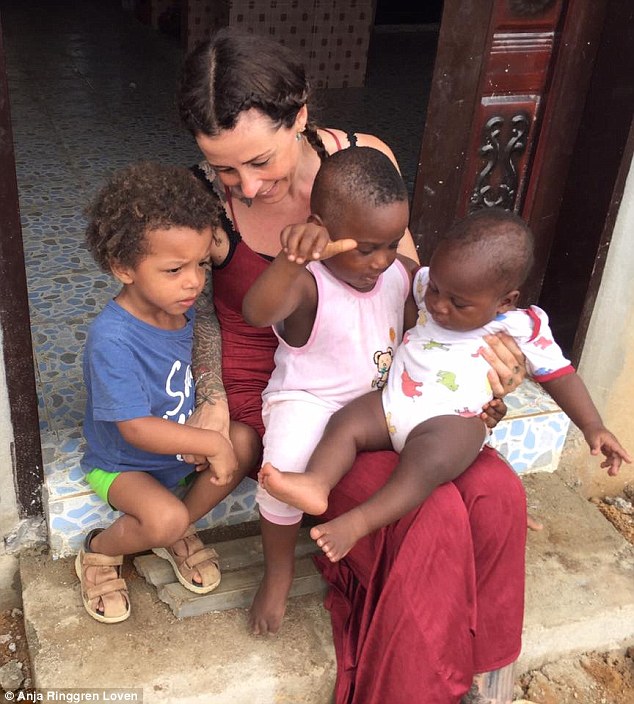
[(233, 72)]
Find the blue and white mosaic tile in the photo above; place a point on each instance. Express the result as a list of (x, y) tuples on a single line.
[(532, 435)]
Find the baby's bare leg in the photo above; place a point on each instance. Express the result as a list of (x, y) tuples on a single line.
[(436, 452), (360, 425)]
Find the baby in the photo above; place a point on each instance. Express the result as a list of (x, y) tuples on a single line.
[(429, 410)]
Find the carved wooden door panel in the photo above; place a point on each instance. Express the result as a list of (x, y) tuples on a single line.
[(505, 125), (507, 96)]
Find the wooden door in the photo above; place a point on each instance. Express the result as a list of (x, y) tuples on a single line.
[(509, 95)]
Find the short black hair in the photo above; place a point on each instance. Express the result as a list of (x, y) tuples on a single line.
[(500, 238), (140, 198), (361, 175)]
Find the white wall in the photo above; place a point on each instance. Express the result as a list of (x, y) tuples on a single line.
[(8, 505), (607, 361), (9, 589)]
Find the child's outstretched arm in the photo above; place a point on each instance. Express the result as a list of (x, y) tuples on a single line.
[(285, 286), (571, 395), (169, 438)]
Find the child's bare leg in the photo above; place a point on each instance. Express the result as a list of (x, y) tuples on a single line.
[(152, 516), (269, 603), (203, 496), (141, 499), (436, 452), (360, 425)]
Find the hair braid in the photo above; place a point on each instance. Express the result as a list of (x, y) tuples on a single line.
[(310, 131)]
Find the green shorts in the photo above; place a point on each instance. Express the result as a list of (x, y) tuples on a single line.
[(100, 482)]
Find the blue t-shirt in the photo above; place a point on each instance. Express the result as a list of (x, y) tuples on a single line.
[(133, 370)]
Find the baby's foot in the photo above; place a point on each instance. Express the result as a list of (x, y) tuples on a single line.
[(337, 537), (269, 604), (304, 491)]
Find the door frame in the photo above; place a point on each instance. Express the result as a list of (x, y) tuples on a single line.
[(28, 475)]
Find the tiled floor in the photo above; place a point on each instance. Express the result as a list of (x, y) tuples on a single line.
[(92, 89)]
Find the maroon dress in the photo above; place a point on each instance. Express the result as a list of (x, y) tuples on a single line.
[(420, 606)]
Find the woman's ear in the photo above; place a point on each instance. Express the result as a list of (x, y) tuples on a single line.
[(508, 301), (124, 274), (302, 118)]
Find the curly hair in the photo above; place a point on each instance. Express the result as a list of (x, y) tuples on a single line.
[(139, 199)]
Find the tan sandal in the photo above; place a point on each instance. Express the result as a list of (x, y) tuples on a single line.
[(110, 590), (198, 558)]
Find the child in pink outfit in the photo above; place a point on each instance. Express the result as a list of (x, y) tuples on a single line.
[(339, 319)]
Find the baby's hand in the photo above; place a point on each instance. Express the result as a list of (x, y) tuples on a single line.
[(222, 461), (309, 241), (600, 439), (493, 412)]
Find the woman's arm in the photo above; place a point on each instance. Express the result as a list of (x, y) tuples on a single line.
[(406, 246), (207, 351), (212, 410), (508, 370)]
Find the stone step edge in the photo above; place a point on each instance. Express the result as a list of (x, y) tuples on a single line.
[(241, 565), (234, 554)]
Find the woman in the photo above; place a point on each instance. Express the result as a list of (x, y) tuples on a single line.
[(403, 602)]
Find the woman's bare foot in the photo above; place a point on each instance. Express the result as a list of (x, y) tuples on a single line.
[(304, 491), (533, 523), (337, 537), (269, 604), (495, 687)]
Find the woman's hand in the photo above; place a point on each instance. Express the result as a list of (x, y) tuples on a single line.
[(508, 364), (210, 416)]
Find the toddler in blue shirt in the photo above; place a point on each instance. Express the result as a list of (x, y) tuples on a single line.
[(151, 226)]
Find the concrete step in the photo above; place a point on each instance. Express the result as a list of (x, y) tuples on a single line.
[(531, 437), (579, 597), (242, 568)]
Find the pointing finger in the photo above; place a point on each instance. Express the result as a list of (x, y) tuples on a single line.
[(338, 247)]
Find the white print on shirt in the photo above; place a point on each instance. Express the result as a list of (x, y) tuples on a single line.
[(180, 395)]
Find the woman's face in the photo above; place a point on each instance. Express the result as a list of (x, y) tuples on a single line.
[(256, 159)]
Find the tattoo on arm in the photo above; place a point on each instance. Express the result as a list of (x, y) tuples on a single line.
[(207, 350)]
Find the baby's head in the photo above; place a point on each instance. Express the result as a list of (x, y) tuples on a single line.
[(141, 199), (359, 194), (477, 269)]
